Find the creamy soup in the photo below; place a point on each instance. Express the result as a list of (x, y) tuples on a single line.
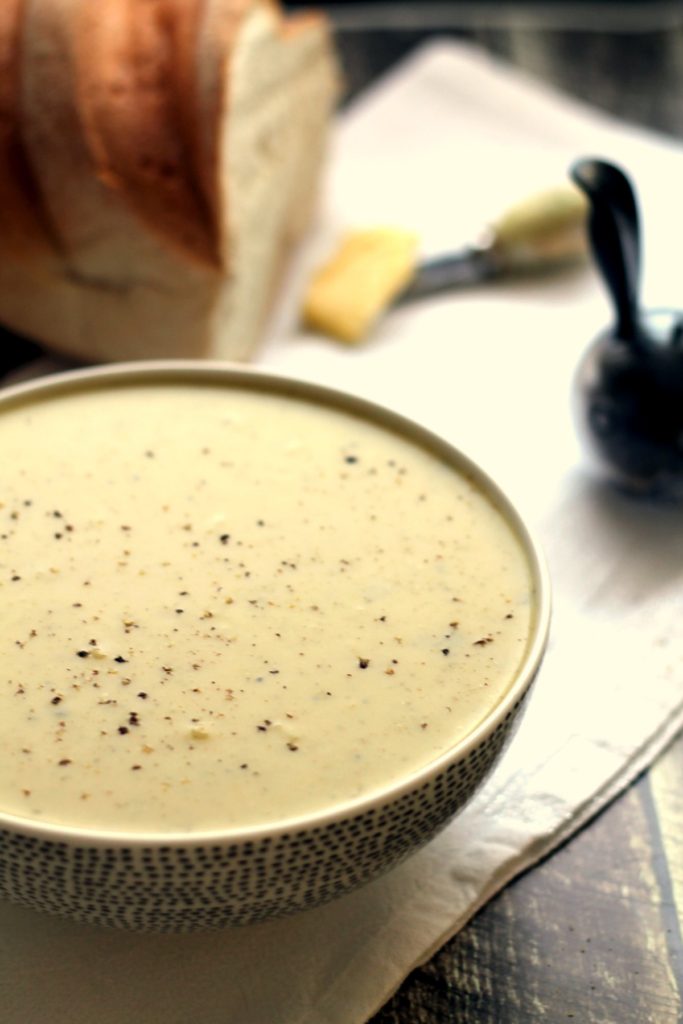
[(223, 608)]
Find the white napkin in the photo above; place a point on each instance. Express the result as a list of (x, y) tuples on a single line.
[(442, 145)]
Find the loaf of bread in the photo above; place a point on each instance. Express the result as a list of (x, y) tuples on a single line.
[(158, 161)]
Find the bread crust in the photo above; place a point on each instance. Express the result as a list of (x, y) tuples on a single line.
[(26, 232), (124, 232), (138, 101)]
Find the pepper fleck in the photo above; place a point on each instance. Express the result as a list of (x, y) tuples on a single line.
[(363, 662)]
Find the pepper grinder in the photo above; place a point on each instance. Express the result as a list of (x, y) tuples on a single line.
[(628, 389)]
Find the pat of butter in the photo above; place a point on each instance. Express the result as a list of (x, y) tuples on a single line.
[(367, 272)]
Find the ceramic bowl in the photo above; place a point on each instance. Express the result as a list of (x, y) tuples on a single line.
[(182, 882)]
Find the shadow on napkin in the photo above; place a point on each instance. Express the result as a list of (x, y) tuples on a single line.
[(640, 546)]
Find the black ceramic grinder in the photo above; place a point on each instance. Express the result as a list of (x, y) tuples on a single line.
[(629, 385)]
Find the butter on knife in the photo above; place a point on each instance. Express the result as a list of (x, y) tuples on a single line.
[(366, 274), (376, 268)]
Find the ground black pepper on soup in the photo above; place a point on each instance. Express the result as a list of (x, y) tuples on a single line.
[(223, 607)]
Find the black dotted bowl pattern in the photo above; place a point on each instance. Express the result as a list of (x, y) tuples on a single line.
[(180, 888)]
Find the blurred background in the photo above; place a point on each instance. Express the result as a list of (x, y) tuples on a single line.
[(625, 56)]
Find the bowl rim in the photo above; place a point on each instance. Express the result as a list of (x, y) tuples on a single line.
[(264, 380)]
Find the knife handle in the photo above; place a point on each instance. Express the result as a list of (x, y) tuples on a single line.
[(548, 227)]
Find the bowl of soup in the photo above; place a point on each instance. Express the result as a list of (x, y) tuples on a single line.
[(261, 641)]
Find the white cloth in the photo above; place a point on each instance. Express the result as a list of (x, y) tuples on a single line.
[(440, 146)]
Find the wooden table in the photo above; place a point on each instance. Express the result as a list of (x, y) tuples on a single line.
[(594, 933)]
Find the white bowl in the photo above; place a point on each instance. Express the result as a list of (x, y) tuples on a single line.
[(181, 882)]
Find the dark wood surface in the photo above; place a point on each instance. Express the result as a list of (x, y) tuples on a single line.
[(593, 934)]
